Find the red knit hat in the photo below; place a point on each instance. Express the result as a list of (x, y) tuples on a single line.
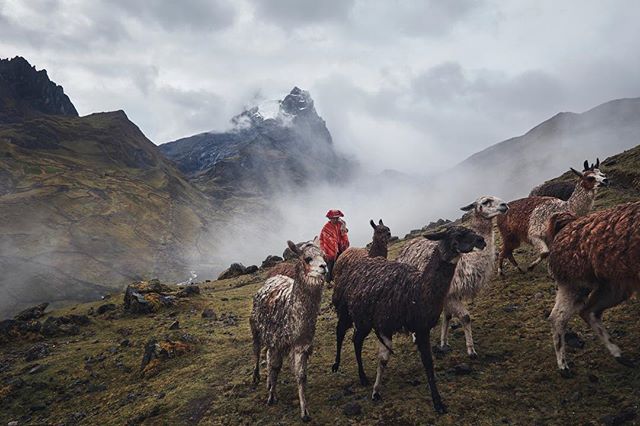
[(334, 213)]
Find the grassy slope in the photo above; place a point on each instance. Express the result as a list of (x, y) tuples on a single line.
[(513, 381)]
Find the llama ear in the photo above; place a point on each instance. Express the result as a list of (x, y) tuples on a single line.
[(435, 236), (597, 163), (576, 172), (316, 241), (380, 222), (372, 223), (586, 165), (469, 207), (294, 248)]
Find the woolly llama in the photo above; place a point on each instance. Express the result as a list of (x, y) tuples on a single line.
[(391, 297), (284, 317), (595, 261)]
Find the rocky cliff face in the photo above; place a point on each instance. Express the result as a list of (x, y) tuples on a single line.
[(272, 146), (26, 92)]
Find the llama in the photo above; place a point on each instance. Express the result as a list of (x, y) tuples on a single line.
[(473, 271), (378, 248), (562, 189), (528, 218), (594, 261), (283, 319), (391, 297)]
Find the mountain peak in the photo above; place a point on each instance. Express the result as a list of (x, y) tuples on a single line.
[(298, 102), (25, 92)]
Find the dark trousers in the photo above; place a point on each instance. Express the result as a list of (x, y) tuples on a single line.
[(329, 276)]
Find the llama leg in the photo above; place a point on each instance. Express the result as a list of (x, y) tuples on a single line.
[(567, 304), (358, 340), (459, 310), (384, 353), (257, 348), (341, 330), (422, 341), (300, 372), (444, 329), (274, 364), (509, 244), (541, 248), (598, 301)]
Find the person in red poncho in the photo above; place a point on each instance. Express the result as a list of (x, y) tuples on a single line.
[(333, 239)]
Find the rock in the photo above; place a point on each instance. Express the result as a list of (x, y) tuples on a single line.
[(156, 353), (36, 369), (37, 351), (620, 418), (271, 261), (251, 269), (174, 325), (106, 308), (145, 297), (236, 270), (13, 423), (32, 313), (125, 343), (352, 409), (572, 339), (209, 313), (11, 330), (510, 308), (54, 326), (462, 369), (229, 319), (188, 291)]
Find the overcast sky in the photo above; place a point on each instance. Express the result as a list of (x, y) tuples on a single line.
[(412, 85)]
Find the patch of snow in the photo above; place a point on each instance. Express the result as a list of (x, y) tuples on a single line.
[(269, 110)]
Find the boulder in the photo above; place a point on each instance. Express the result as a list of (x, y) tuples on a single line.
[(32, 313), (188, 291), (236, 270), (209, 313), (147, 296), (155, 353), (271, 261)]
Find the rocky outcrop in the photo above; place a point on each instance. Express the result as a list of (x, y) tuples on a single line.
[(237, 269), (26, 92)]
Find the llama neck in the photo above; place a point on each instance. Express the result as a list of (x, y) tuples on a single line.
[(484, 227), (436, 278), (378, 248), (581, 201), (306, 292)]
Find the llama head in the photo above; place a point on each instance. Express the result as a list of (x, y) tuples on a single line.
[(591, 177), (311, 258), (381, 232), (487, 206), (457, 240)]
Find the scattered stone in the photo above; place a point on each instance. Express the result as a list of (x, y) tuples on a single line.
[(572, 339), (188, 291), (209, 313), (37, 351), (32, 313), (58, 326), (38, 407), (510, 308), (462, 369), (106, 308), (353, 409), (229, 319), (271, 261), (125, 343), (620, 418), (224, 299), (155, 353), (538, 295), (11, 330), (36, 369), (13, 423), (161, 395), (174, 325)]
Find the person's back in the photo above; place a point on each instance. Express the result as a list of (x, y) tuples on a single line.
[(333, 239)]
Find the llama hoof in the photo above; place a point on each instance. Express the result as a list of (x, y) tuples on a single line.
[(627, 362), (272, 400), (473, 355), (335, 367), (565, 373), (375, 396), (440, 408), (364, 381), (306, 418)]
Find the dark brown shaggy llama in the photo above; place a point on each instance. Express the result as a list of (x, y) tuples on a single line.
[(595, 261), (391, 297), (378, 248)]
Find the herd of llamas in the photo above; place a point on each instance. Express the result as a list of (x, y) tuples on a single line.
[(593, 258)]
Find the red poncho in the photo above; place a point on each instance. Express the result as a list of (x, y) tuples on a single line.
[(332, 240)]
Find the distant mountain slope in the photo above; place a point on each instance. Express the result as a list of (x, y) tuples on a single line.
[(25, 92), (273, 146), (514, 166), (88, 203)]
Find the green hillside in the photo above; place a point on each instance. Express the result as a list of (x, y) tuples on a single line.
[(95, 377)]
